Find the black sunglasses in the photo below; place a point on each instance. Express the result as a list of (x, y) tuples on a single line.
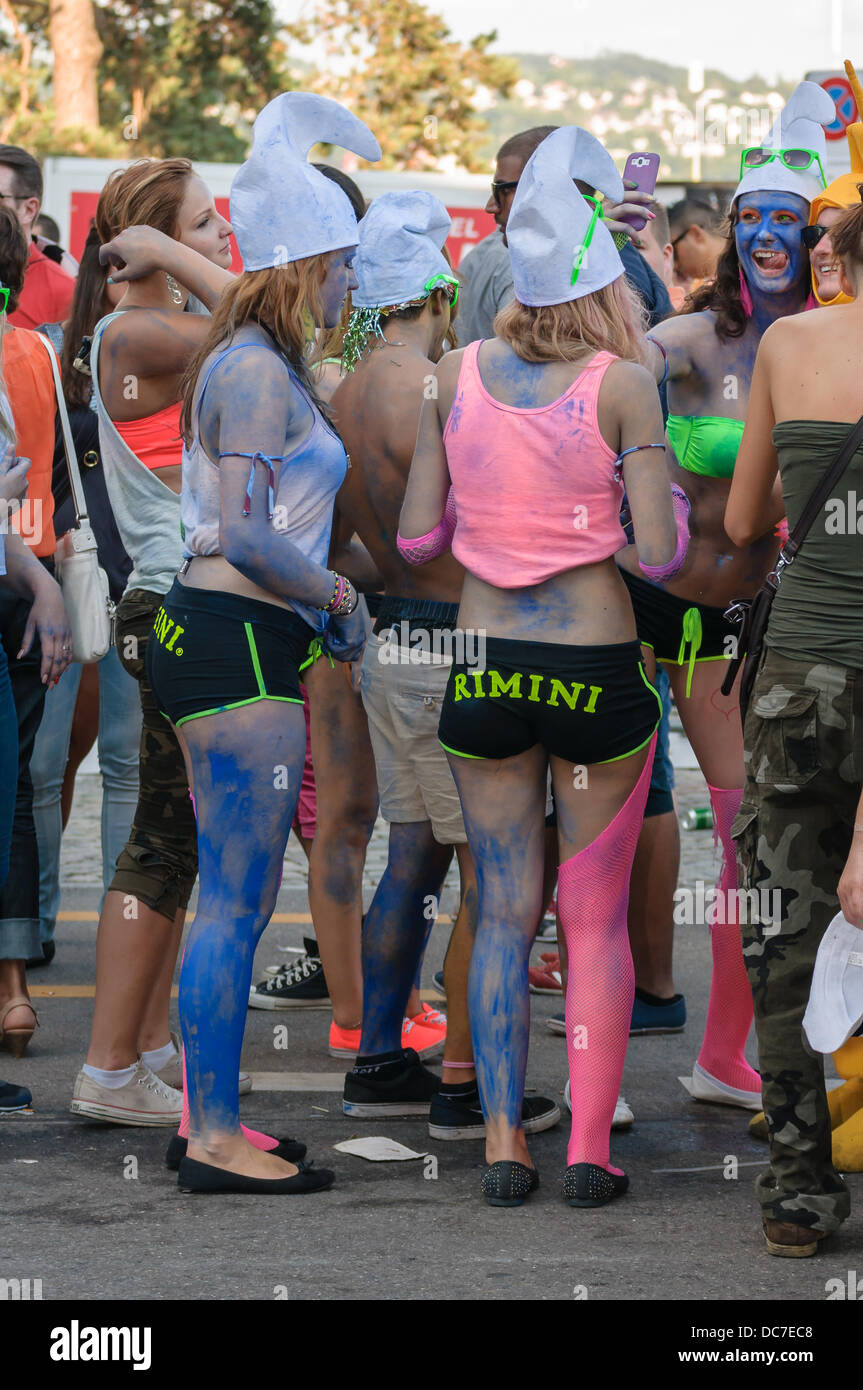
[(810, 236), (503, 187), (681, 235)]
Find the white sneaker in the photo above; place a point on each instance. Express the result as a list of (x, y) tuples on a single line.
[(144, 1100), (623, 1115)]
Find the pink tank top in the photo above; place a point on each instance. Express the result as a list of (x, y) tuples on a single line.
[(537, 491)]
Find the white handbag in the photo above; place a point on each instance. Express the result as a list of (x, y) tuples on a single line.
[(84, 583)]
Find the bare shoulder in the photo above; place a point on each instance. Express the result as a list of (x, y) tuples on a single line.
[(629, 379), (449, 367)]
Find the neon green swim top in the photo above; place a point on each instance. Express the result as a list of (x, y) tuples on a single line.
[(705, 444)]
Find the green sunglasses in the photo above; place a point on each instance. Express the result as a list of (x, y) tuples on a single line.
[(797, 160), (449, 282), (588, 236), (4, 298)]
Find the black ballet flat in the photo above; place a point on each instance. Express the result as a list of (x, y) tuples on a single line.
[(588, 1185), (205, 1177), (507, 1183), (289, 1149)]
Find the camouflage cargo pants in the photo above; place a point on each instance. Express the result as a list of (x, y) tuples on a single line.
[(159, 864), (803, 743)]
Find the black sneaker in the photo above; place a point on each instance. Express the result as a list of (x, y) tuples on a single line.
[(438, 981), (460, 1117), (557, 1024), (298, 986), (392, 1089)]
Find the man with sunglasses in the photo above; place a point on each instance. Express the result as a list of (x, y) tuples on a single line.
[(696, 239), (48, 289)]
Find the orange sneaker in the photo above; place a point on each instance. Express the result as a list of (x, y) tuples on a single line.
[(427, 1041), (344, 1042), (429, 1017)]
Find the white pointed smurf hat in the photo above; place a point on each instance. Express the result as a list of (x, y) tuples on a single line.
[(399, 251), (550, 221), (799, 126), (282, 209), (835, 1008)]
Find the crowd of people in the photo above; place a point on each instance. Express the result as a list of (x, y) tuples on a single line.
[(478, 529)]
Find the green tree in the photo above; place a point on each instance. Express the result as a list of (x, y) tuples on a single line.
[(188, 79), (396, 65)]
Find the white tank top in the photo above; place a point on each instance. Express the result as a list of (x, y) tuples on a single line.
[(302, 507), (146, 511)]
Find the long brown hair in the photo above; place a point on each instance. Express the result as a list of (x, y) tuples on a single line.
[(608, 320), (722, 295), (88, 306), (285, 299), (14, 252), (150, 192)]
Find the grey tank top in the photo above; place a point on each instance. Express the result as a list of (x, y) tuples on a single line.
[(302, 505), (147, 512)]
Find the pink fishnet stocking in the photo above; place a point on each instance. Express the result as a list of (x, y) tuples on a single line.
[(592, 894), (729, 1012)]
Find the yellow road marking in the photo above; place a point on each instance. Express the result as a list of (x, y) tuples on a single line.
[(283, 918)]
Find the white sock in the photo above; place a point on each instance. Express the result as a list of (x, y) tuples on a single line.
[(112, 1080), (159, 1057)]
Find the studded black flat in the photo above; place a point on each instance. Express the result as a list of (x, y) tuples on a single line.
[(507, 1183), (588, 1185)]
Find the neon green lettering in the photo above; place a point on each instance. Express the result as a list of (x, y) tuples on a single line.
[(595, 692), (535, 683), (461, 690), (477, 682), (558, 688), (499, 686), (177, 632)]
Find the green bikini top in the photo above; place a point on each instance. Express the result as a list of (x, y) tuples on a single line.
[(705, 444)]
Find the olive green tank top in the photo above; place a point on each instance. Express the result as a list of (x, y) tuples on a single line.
[(818, 611)]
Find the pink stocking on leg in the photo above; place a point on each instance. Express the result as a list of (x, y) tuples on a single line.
[(252, 1136), (729, 1012), (592, 894)]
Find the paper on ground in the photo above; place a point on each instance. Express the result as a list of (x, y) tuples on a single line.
[(377, 1149)]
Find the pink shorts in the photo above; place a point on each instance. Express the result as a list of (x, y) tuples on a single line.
[(305, 816)]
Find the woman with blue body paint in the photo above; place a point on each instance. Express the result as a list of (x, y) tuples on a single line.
[(531, 435), (261, 467), (708, 355)]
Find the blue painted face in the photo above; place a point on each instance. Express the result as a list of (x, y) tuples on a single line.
[(339, 279), (767, 235)]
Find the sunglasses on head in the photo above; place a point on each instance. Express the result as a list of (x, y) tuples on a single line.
[(798, 160), (448, 283), (596, 204), (810, 236)]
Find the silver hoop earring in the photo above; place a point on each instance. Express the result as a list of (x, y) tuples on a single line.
[(176, 292)]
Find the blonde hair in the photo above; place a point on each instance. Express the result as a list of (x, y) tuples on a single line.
[(608, 320), (150, 192), (284, 299)]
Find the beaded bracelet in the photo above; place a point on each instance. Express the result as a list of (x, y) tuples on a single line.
[(344, 599)]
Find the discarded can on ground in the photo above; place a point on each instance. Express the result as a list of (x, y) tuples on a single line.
[(698, 818)]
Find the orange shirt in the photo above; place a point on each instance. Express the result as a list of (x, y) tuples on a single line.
[(46, 295), (30, 387)]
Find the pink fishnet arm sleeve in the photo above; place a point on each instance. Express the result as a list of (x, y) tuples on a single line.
[(419, 550), (680, 506)]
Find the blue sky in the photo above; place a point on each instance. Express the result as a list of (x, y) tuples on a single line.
[(787, 39)]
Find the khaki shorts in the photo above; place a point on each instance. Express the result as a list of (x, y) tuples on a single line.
[(403, 700)]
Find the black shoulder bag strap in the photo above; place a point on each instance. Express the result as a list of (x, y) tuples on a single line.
[(753, 613)]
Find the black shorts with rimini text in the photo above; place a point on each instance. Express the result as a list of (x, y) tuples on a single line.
[(584, 704)]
